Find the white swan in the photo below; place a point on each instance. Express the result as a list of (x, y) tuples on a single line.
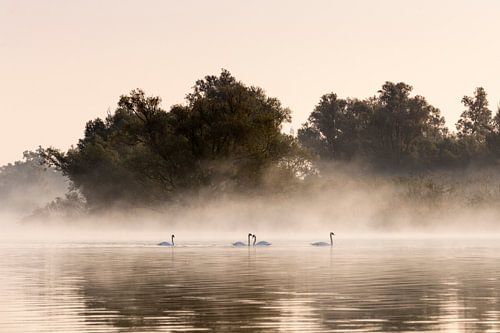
[(167, 243), (243, 244), (261, 243), (324, 243)]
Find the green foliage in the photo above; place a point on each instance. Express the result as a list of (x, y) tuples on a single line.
[(475, 127), (227, 135), (391, 130), (476, 120), (335, 128)]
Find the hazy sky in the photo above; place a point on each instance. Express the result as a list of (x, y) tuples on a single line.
[(65, 62)]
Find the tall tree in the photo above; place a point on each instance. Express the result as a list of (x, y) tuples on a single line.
[(334, 128), (233, 131), (474, 127), (392, 129), (403, 126), (475, 122), (226, 135)]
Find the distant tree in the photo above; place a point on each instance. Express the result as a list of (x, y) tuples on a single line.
[(226, 135), (496, 121), (72, 206), (475, 126), (475, 121), (334, 128), (27, 184), (404, 128), (450, 152), (493, 139), (392, 129)]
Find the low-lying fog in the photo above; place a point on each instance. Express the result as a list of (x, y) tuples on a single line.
[(347, 202)]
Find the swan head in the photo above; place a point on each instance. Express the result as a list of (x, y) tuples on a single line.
[(332, 234)]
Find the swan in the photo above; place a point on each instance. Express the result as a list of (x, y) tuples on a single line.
[(243, 244), (261, 243), (167, 243), (324, 243)]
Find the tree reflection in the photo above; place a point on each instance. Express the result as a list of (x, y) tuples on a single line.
[(233, 290)]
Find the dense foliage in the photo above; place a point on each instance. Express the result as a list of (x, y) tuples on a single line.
[(398, 132), (226, 135)]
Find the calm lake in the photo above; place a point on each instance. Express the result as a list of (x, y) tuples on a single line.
[(357, 286)]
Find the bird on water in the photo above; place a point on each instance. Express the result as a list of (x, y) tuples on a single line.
[(261, 243), (168, 243), (243, 244), (325, 243)]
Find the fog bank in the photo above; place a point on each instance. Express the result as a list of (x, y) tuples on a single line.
[(347, 200)]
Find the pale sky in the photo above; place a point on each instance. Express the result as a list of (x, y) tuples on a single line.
[(65, 62)]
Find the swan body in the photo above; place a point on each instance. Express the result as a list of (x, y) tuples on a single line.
[(261, 243), (168, 243), (239, 244), (325, 243), (320, 244)]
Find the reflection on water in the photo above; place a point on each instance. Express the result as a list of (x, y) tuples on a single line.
[(390, 286)]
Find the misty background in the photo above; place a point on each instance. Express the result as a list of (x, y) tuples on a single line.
[(371, 117), (222, 162)]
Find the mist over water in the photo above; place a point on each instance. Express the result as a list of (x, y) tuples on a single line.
[(409, 254), (316, 195), (351, 202)]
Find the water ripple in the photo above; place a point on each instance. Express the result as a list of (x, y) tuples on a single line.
[(142, 288)]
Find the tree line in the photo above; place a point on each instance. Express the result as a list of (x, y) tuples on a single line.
[(399, 132), (228, 136)]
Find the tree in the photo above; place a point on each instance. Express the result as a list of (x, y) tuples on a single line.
[(493, 138), (475, 126), (334, 128), (27, 184), (475, 122), (404, 127), (226, 135), (390, 130), (233, 132)]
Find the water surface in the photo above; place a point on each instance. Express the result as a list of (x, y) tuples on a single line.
[(356, 286)]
